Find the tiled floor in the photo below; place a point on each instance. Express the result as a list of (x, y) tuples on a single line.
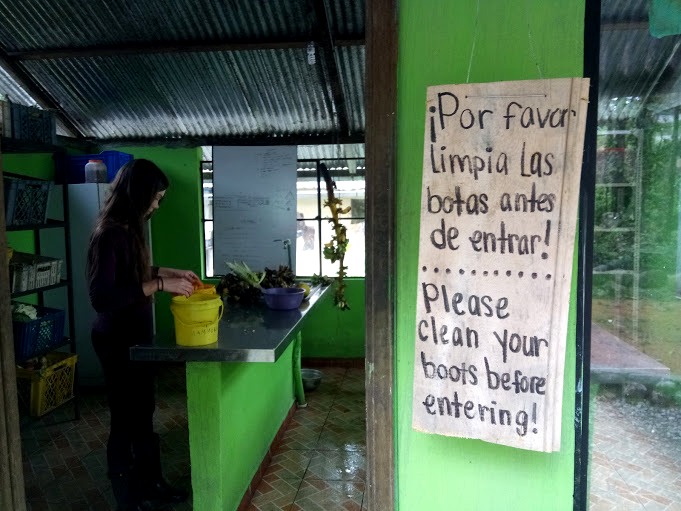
[(65, 459), (319, 465)]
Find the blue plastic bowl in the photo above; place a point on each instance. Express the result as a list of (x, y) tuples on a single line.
[(283, 298)]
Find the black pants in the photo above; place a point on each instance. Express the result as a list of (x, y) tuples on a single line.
[(130, 389)]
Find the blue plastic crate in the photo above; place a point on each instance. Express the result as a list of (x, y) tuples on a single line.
[(36, 337), (71, 169), (26, 200)]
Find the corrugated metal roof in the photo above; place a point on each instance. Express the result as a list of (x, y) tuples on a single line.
[(352, 63), (265, 92), (39, 24), (637, 70), (237, 94), (330, 151), (257, 93), (624, 10), (347, 18), (12, 91)]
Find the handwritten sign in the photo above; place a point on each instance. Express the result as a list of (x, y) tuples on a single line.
[(501, 171)]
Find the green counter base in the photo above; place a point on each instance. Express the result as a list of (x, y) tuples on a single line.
[(235, 411)]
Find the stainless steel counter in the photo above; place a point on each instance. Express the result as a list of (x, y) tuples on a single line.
[(245, 334)]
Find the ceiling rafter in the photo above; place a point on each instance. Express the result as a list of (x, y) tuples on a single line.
[(611, 25), (37, 92), (352, 138), (326, 42), (141, 48)]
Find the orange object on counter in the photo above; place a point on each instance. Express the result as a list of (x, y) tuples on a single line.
[(208, 289), (200, 287)]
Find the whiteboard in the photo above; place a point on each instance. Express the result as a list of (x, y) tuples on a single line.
[(254, 206)]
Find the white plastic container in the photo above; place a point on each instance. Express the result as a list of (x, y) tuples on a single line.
[(95, 172)]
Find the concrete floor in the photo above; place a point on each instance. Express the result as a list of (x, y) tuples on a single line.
[(635, 456), (635, 440)]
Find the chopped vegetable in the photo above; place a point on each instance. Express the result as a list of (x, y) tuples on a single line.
[(24, 312), (241, 270), (236, 290), (281, 277), (244, 286), (320, 280)]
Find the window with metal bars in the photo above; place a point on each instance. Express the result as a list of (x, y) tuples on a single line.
[(314, 226)]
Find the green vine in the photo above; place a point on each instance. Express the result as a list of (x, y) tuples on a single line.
[(336, 248)]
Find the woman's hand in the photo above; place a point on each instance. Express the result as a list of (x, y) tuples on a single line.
[(182, 274), (177, 285)]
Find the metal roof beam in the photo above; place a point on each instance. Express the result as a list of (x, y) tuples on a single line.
[(266, 140), (37, 92), (612, 25), (328, 45), (141, 48)]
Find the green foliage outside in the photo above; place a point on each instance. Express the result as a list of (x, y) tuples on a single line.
[(636, 237), (652, 148)]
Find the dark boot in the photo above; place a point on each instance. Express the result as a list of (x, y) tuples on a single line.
[(123, 492), (149, 481), (146, 506), (159, 491)]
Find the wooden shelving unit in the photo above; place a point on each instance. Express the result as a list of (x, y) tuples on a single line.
[(69, 339)]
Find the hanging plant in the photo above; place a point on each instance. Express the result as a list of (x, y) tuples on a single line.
[(336, 248)]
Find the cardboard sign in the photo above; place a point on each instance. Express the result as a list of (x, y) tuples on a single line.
[(501, 170)]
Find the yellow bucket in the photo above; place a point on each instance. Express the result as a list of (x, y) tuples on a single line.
[(196, 318)]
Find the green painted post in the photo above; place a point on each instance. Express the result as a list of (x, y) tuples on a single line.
[(468, 41)]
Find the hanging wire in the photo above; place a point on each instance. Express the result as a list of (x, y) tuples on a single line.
[(533, 53), (475, 40)]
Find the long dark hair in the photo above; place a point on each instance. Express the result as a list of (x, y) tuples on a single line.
[(130, 196)]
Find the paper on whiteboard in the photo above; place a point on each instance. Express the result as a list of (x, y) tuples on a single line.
[(254, 204)]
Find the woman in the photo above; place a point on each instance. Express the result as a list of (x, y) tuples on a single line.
[(122, 284)]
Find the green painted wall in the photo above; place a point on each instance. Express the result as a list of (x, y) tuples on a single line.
[(38, 165), (177, 242), (176, 229), (332, 333), (442, 42), (235, 411)]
